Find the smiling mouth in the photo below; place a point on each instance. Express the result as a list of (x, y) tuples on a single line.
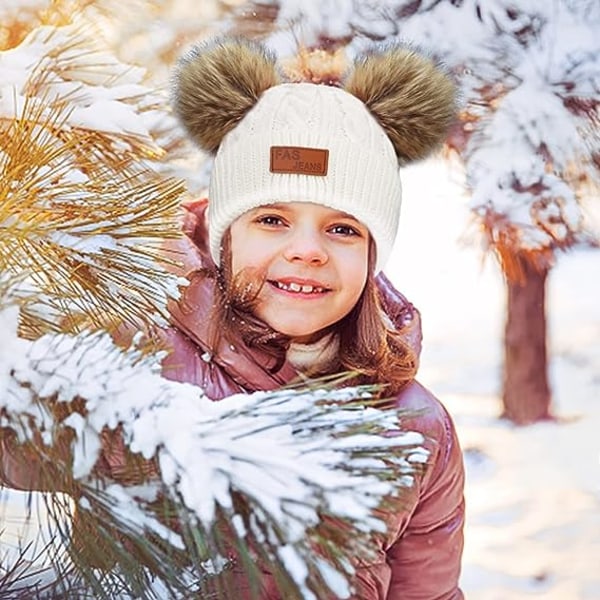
[(297, 288)]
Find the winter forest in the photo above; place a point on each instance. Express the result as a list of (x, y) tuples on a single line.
[(498, 249)]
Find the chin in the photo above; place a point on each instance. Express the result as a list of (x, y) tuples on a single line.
[(296, 332), (297, 328), (304, 336)]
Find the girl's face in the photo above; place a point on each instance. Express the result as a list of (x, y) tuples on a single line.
[(314, 260)]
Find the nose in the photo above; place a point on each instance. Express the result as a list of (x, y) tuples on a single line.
[(306, 246)]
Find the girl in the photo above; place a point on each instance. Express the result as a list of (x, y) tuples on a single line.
[(303, 209)]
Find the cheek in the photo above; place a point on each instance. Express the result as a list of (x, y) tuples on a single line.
[(246, 252), (249, 262), (354, 272), (360, 287), (236, 264), (248, 257), (358, 268), (236, 248)]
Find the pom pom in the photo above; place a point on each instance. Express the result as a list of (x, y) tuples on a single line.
[(410, 95), (217, 83)]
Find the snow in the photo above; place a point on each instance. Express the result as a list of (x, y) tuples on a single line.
[(11, 6), (110, 117), (124, 504), (104, 94), (533, 493), (331, 576)]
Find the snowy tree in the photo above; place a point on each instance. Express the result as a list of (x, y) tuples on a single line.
[(528, 133), (81, 151), (530, 141)]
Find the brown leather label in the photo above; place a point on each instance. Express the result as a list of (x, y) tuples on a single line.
[(295, 159)]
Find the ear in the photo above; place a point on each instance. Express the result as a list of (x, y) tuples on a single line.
[(217, 83), (412, 97)]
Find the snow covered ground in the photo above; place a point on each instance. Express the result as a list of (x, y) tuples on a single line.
[(533, 493)]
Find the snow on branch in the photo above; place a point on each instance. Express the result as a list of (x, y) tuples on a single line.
[(83, 213), (66, 66), (528, 129), (508, 175), (272, 465)]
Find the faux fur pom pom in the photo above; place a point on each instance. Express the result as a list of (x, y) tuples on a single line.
[(411, 96), (217, 83)]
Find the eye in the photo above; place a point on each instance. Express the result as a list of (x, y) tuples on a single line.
[(269, 220), (345, 230)]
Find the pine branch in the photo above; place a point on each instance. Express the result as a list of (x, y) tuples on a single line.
[(83, 221), (270, 478)]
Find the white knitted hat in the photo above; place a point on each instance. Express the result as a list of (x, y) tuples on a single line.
[(304, 142)]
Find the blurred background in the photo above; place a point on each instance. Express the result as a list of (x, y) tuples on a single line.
[(498, 244)]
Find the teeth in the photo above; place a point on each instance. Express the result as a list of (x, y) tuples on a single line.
[(296, 287)]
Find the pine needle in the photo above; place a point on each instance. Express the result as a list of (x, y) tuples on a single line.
[(86, 228), (295, 474)]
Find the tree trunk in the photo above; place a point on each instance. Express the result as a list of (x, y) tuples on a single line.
[(526, 394)]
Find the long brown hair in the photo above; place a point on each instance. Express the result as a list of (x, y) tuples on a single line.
[(369, 345)]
